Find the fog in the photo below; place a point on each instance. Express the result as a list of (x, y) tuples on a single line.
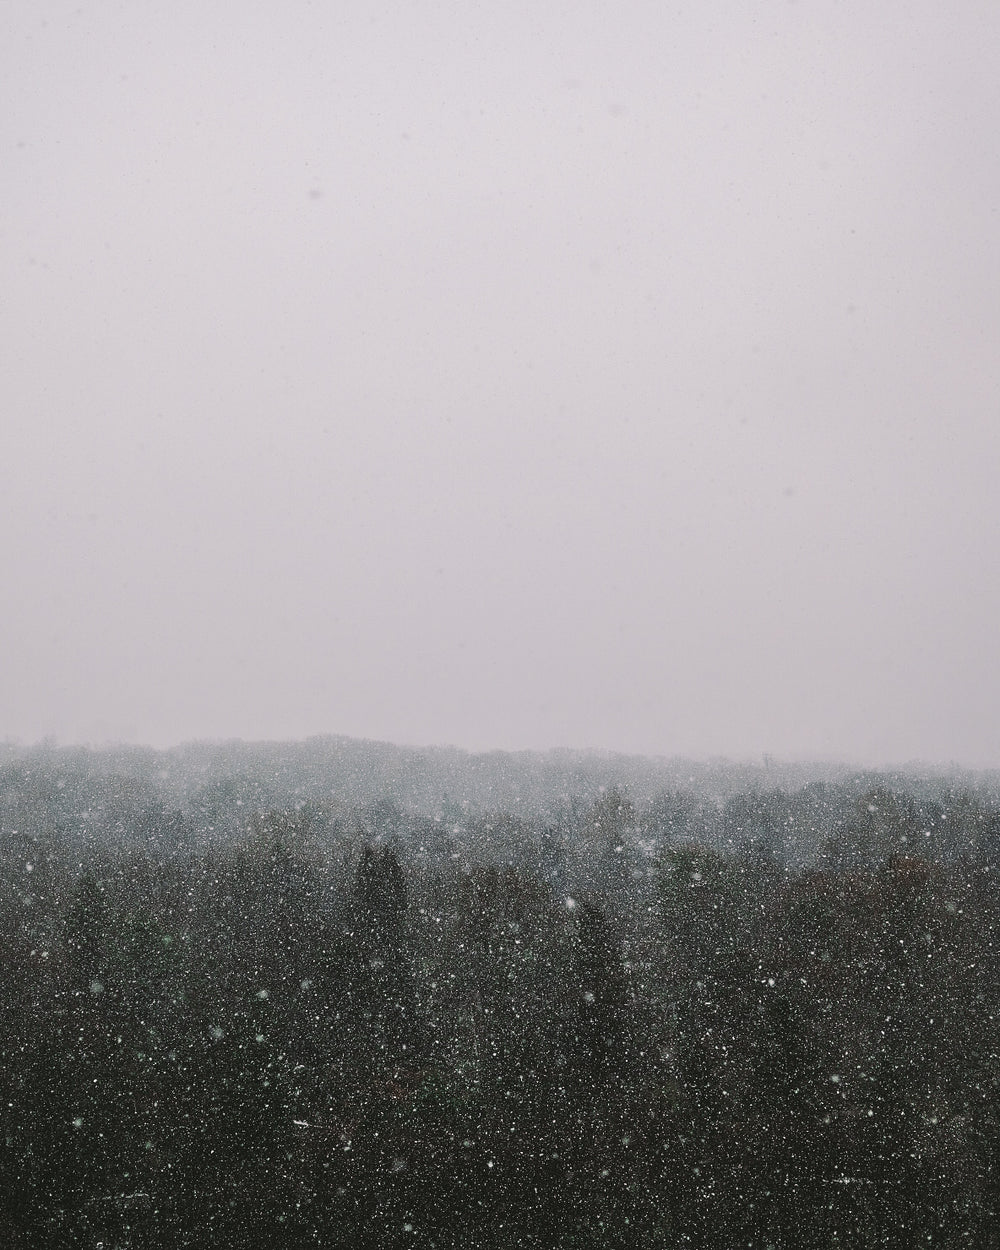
[(583, 376)]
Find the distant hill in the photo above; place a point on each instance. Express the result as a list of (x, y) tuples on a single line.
[(352, 772)]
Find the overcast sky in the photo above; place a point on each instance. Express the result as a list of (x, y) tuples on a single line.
[(512, 375)]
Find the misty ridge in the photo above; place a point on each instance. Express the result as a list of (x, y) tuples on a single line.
[(216, 787), (344, 993)]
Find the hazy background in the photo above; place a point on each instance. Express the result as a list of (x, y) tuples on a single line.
[(510, 375)]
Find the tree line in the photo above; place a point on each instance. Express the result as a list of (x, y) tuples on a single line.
[(627, 1026)]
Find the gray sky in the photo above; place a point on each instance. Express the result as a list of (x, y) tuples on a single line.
[(513, 375)]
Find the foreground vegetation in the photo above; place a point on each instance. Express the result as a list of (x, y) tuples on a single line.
[(766, 1021)]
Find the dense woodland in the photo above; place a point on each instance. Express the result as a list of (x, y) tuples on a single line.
[(247, 1001)]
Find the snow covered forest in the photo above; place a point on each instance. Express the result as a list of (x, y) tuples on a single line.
[(339, 994)]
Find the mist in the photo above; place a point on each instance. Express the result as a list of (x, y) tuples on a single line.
[(578, 378)]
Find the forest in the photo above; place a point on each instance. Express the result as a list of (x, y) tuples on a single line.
[(337, 994)]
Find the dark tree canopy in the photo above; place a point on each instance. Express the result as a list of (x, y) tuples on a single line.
[(765, 1021)]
